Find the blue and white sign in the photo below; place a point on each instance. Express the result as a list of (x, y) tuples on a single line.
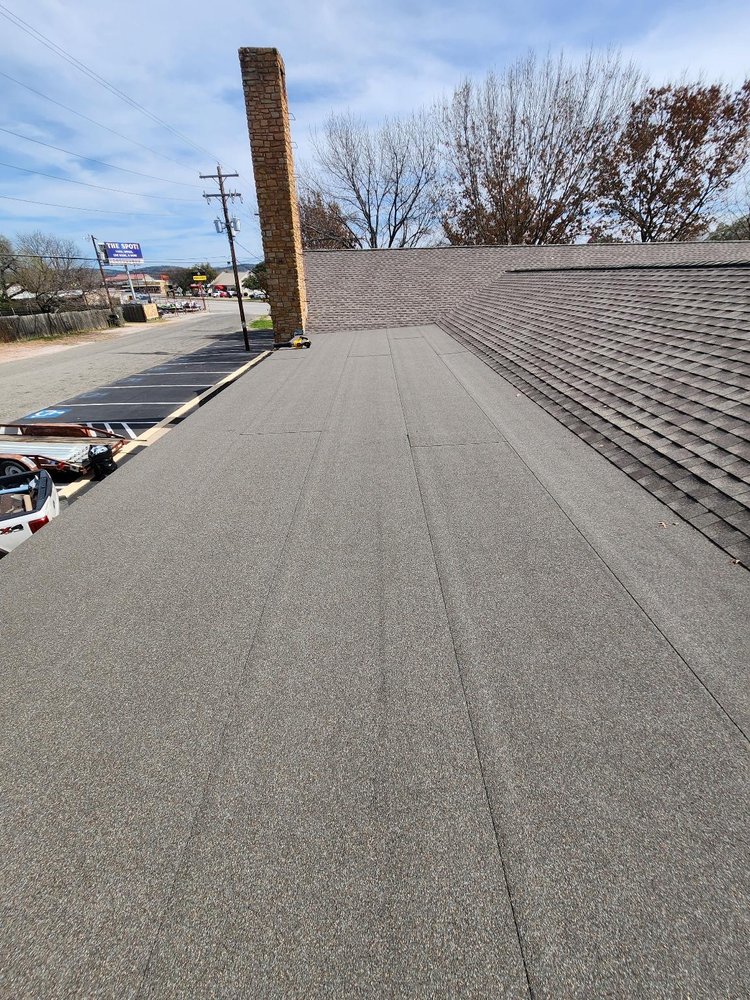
[(45, 414), (123, 253)]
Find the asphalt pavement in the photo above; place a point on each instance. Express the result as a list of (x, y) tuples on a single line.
[(49, 376), (372, 680), (134, 403)]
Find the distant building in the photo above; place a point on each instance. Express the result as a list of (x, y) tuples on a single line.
[(224, 282), (144, 284)]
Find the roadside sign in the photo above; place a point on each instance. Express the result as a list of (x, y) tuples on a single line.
[(199, 277), (123, 253)]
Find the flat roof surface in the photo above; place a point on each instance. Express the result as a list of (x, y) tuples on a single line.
[(372, 679)]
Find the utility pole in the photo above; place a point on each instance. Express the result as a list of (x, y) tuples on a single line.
[(104, 280), (228, 196)]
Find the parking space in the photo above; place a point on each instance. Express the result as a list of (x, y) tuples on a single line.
[(132, 404)]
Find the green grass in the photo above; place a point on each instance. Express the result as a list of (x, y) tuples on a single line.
[(262, 323)]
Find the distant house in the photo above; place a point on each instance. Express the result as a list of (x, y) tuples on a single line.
[(144, 284), (224, 282)]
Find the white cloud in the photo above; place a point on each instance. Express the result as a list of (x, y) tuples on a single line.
[(181, 63)]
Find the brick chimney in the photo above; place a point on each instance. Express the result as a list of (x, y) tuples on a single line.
[(273, 165)]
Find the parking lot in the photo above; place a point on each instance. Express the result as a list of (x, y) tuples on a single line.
[(131, 404), (36, 375)]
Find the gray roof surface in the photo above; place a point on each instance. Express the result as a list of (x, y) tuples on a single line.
[(360, 289), (650, 366), (347, 688), (642, 349)]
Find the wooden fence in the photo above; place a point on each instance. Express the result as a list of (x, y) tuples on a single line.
[(53, 324)]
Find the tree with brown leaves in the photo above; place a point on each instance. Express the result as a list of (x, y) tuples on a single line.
[(679, 150), (523, 147), (324, 225)]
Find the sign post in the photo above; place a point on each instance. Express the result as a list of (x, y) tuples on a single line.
[(130, 282), (199, 279), (112, 313)]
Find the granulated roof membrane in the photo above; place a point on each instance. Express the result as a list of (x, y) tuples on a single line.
[(641, 350), (650, 366)]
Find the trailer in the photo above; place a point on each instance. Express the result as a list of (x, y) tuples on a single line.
[(72, 449)]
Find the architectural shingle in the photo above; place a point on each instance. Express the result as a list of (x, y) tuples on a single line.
[(643, 351), (362, 289), (649, 365)]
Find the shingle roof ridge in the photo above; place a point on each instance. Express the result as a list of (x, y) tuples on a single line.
[(665, 266), (528, 246)]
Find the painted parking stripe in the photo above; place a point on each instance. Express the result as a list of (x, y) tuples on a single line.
[(143, 403), (162, 385)]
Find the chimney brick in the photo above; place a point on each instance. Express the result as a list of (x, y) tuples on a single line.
[(267, 109)]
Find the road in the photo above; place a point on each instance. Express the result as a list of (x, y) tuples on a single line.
[(52, 374)]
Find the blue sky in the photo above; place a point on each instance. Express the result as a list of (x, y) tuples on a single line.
[(180, 63)]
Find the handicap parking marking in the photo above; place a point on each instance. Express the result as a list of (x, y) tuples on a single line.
[(45, 414), (126, 403)]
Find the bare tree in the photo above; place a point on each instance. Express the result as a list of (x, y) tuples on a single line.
[(324, 225), (522, 148), (9, 286), (384, 180), (50, 266), (679, 150), (733, 211)]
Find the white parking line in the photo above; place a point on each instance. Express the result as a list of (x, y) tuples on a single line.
[(163, 385), (144, 402)]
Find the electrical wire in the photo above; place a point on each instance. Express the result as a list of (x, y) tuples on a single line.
[(168, 262), (248, 251), (91, 159), (92, 121), (98, 211), (99, 187), (93, 75)]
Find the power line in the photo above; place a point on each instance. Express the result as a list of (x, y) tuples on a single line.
[(99, 187), (93, 75), (247, 250), (159, 262), (98, 211), (92, 121), (91, 159), (226, 196)]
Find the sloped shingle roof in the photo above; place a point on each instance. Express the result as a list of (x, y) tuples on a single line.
[(644, 353), (362, 289), (650, 366)]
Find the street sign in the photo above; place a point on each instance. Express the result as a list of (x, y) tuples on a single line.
[(123, 253), (200, 277)]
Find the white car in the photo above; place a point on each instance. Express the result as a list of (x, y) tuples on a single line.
[(28, 501)]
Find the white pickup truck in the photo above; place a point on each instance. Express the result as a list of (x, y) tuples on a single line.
[(28, 501)]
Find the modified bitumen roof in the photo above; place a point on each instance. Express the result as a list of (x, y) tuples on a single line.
[(372, 679), (642, 350)]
